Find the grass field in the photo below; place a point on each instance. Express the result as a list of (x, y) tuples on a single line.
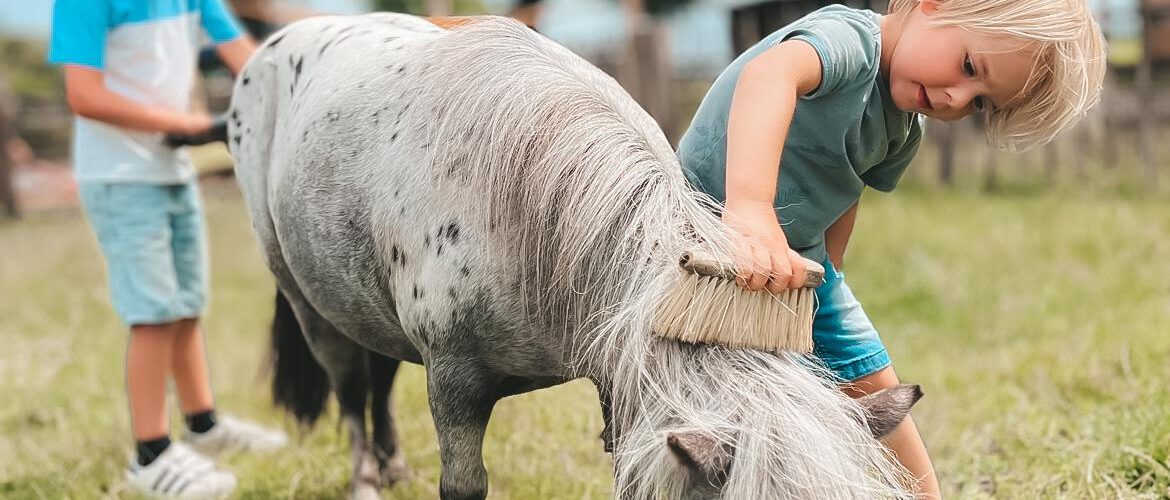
[(1037, 326)]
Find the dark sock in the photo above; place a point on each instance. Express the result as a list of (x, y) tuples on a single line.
[(201, 422), (150, 450)]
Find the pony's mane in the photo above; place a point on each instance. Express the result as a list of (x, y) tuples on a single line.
[(596, 212), (574, 169)]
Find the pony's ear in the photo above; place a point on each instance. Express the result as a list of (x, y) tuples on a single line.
[(886, 408), (701, 453)]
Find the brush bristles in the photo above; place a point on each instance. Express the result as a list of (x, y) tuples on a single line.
[(711, 310)]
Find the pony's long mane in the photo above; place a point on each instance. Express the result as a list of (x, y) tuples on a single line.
[(596, 212)]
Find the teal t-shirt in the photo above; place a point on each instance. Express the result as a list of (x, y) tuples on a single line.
[(845, 135)]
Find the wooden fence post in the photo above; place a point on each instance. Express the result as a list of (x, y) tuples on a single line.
[(1144, 80), (7, 194), (944, 138), (438, 8), (990, 170)]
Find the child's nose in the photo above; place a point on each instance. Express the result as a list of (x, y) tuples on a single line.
[(960, 96)]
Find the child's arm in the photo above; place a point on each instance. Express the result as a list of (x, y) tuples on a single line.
[(761, 112), (235, 54), (837, 236), (449, 22), (88, 96)]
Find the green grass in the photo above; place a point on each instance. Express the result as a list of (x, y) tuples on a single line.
[(1036, 325)]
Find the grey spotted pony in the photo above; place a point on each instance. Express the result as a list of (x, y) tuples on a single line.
[(485, 203)]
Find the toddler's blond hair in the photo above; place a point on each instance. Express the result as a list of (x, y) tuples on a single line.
[(1065, 80)]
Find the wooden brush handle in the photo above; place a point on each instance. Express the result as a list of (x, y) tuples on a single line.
[(705, 264)]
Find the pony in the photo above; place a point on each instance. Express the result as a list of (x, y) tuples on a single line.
[(485, 203)]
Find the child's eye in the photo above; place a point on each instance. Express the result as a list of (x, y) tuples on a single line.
[(968, 67)]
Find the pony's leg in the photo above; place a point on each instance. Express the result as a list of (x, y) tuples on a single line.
[(353, 392), (344, 362), (391, 461), (461, 399)]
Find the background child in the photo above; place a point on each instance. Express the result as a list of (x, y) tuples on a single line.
[(129, 69), (796, 127)]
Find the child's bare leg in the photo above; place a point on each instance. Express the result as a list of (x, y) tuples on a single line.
[(904, 441), (148, 363), (190, 368)]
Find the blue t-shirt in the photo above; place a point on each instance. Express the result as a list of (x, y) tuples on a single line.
[(147, 52), (845, 135)]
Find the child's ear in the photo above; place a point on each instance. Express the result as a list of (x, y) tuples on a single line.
[(928, 7)]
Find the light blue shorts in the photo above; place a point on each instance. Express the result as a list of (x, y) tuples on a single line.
[(843, 337), (152, 236)]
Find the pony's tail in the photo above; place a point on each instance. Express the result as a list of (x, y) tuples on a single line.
[(299, 383)]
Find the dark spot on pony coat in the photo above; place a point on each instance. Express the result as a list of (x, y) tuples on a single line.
[(453, 232), (246, 80), (451, 293), (427, 240), (465, 271), (276, 40), (236, 139)]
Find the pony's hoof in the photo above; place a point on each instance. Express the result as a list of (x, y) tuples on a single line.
[(395, 470), (365, 491)]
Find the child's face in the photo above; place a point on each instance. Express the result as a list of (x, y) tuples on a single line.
[(947, 72)]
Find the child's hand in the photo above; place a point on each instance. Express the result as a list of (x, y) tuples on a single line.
[(762, 253), (192, 124), (217, 133)]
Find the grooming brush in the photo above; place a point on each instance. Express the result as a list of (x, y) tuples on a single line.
[(708, 307)]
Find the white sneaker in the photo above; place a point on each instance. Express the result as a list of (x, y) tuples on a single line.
[(230, 434), (180, 473)]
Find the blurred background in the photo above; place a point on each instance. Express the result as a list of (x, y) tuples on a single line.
[(1028, 293), (666, 53)]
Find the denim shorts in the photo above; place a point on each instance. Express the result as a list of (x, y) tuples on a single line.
[(843, 337), (153, 239)]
